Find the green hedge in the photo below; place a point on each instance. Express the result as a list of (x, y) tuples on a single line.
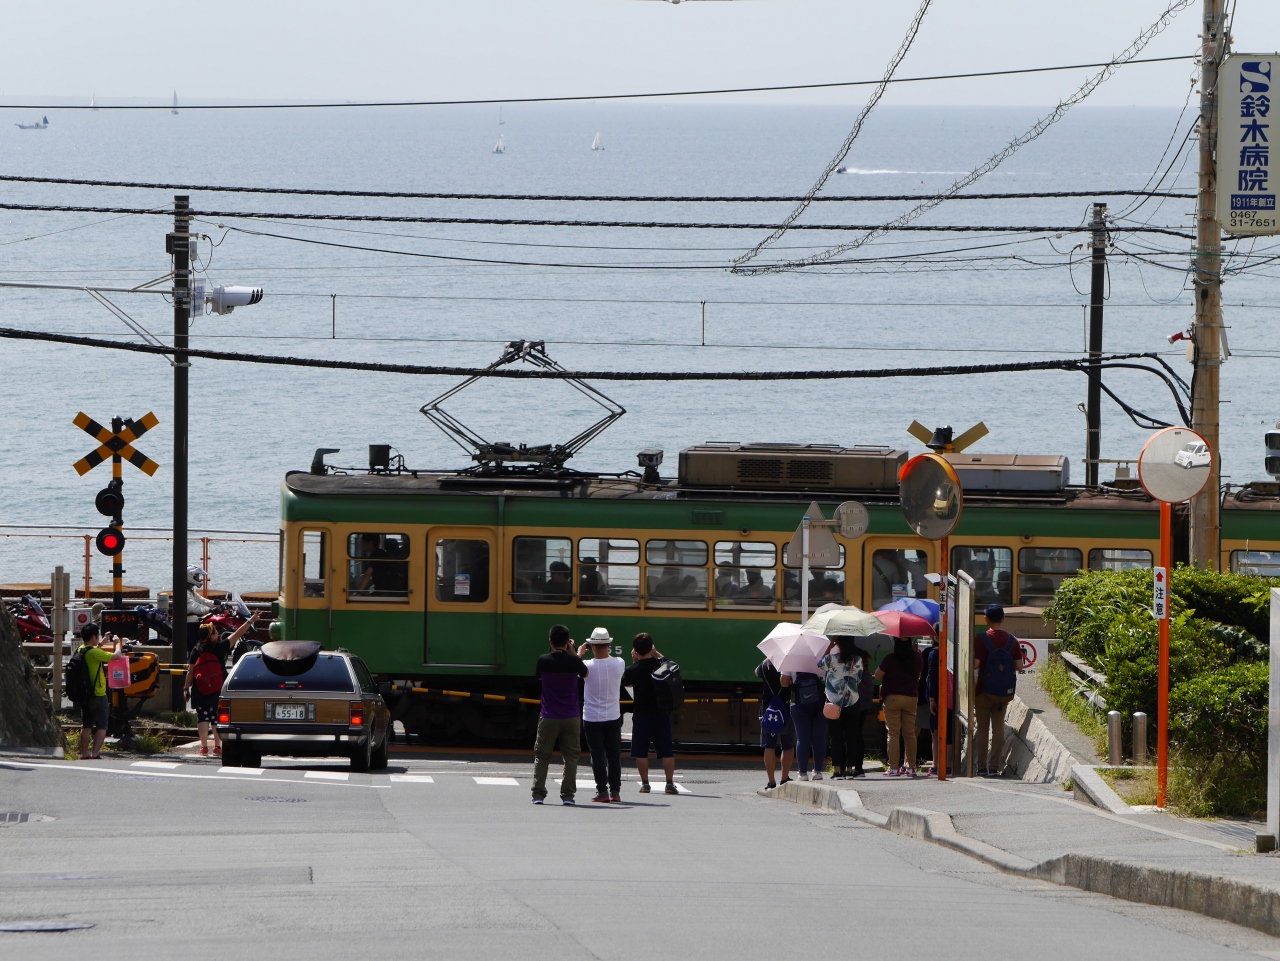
[(1218, 670)]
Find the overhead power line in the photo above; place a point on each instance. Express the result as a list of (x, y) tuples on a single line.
[(609, 198), (566, 99), (528, 373)]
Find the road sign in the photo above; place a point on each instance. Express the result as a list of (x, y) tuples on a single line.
[(824, 550), (1247, 180), (1160, 593), (852, 520), (115, 443)]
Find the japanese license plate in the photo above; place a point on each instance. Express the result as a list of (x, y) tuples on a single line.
[(291, 712)]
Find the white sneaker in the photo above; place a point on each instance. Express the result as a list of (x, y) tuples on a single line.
[(804, 777), (817, 775)]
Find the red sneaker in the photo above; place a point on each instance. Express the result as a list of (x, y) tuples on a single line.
[(204, 752), (217, 750)]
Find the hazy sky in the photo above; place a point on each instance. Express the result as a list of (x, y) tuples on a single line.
[(323, 49)]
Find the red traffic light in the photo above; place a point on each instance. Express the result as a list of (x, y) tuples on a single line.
[(110, 499), (110, 541)]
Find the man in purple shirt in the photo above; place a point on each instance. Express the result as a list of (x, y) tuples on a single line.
[(561, 717)]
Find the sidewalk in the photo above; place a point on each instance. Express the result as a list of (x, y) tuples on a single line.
[(1038, 830)]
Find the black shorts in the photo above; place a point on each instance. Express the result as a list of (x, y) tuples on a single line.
[(206, 712), (784, 740), (655, 729), (95, 713)]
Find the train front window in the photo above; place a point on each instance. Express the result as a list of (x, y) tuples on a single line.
[(377, 567), (1041, 571), (745, 573), (542, 570), (676, 575), (991, 569), (314, 544), (1261, 563), (898, 573), (1118, 559), (826, 584), (462, 570), (609, 571)]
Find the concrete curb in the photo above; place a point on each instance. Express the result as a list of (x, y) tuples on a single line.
[(1032, 749), (32, 752), (1089, 786), (1241, 902)]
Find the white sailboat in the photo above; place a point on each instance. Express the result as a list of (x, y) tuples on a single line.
[(174, 111), (500, 120), (93, 102), (500, 146), (597, 144)]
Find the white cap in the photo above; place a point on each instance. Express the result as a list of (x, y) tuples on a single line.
[(600, 636)]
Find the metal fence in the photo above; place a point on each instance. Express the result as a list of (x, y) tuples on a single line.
[(237, 561)]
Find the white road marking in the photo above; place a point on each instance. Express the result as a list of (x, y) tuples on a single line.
[(328, 775), (507, 781), (91, 769), (414, 778), (682, 789), (255, 771), (162, 765)]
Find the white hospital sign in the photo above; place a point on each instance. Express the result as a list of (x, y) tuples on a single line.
[(1247, 180)]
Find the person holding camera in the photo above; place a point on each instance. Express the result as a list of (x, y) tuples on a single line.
[(96, 710), (206, 672)]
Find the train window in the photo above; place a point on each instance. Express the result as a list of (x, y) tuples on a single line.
[(313, 563), (377, 567), (898, 573), (609, 571), (826, 584), (543, 570), (1263, 563), (1118, 559), (462, 570), (745, 574), (991, 569), (1041, 571), (672, 586), (682, 553)]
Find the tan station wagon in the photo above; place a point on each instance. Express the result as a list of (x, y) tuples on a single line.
[(296, 700)]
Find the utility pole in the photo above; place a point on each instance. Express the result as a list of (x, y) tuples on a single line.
[(1097, 288), (180, 247), (1207, 263)]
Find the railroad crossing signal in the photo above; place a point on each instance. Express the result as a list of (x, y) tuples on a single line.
[(116, 442)]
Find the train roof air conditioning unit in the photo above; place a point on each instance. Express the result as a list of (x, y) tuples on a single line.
[(790, 467)]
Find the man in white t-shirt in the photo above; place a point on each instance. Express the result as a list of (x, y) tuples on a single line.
[(602, 715)]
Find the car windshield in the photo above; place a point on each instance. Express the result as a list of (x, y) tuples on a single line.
[(329, 673)]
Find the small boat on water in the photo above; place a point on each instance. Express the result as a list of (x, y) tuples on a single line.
[(93, 102), (174, 111), (500, 146), (42, 124), (597, 144)]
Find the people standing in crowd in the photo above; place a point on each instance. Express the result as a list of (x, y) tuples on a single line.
[(602, 714), (808, 697), (844, 675), (648, 724), (783, 743), (931, 692), (899, 677), (560, 720), (998, 657), (96, 710), (206, 672)]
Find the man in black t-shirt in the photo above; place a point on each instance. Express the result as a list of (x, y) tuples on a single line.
[(648, 724), (784, 742)]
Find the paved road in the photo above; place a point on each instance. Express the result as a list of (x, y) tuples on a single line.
[(448, 859)]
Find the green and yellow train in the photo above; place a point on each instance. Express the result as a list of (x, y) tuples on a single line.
[(450, 581)]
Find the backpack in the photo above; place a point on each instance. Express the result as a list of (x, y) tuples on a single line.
[(999, 679), (774, 719), (668, 687), (76, 682), (207, 674), (809, 690)]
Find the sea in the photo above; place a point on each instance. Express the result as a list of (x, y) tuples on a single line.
[(601, 297)]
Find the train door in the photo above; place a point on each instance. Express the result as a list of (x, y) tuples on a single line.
[(462, 593), (312, 583), (894, 567)]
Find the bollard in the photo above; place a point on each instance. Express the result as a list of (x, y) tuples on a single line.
[(1139, 738), (1113, 737)]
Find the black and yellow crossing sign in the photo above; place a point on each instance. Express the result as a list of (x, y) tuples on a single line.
[(116, 442)]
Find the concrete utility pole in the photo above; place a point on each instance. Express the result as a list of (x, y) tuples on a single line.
[(1097, 289), (180, 247), (1207, 263)]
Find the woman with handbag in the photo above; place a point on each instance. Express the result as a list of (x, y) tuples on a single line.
[(842, 673), (899, 677)]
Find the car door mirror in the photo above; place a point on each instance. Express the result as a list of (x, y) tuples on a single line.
[(386, 688)]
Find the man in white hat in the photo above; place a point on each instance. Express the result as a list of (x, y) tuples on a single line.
[(602, 714)]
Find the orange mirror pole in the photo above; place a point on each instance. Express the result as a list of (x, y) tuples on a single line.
[(1162, 689), (944, 686)]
